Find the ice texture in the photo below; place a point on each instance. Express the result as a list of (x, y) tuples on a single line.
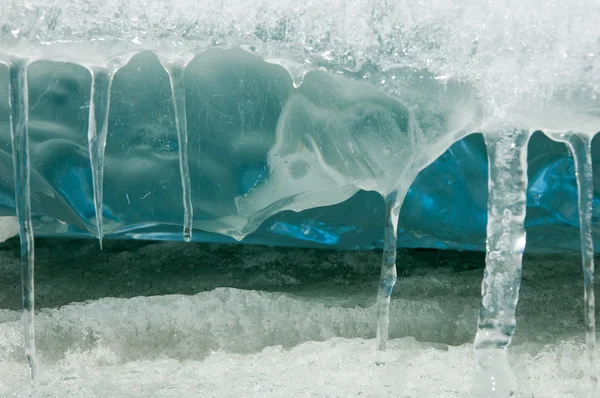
[(18, 94), (520, 65), (238, 101), (305, 114)]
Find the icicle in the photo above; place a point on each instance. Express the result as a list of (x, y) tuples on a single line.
[(176, 72), (393, 203), (580, 147), (507, 190), (18, 100), (97, 131)]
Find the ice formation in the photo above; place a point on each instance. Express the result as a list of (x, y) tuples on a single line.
[(580, 146), (97, 131), (285, 106), (503, 263), (176, 72), (18, 101)]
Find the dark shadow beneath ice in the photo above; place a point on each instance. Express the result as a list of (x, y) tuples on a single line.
[(445, 283), (76, 270)]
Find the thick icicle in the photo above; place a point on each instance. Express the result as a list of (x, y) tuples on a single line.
[(580, 146), (176, 73), (18, 100), (387, 280), (97, 131), (507, 185)]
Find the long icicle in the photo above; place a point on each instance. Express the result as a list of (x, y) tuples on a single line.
[(507, 192), (176, 75), (388, 277), (19, 104), (97, 131), (580, 146)]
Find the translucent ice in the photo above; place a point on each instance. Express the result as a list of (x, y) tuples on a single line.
[(237, 100), (512, 75), (504, 255), (270, 117), (336, 137), (176, 70), (19, 114), (97, 131), (580, 147)]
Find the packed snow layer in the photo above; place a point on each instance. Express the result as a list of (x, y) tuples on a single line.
[(150, 319)]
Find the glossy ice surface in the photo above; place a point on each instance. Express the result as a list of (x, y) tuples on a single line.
[(235, 101)]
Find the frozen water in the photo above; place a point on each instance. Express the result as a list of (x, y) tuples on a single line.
[(580, 147), (97, 130), (230, 134), (298, 107), (218, 321), (388, 276), (176, 71), (19, 133), (457, 67), (502, 277)]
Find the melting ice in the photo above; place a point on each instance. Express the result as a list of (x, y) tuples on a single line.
[(312, 106)]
